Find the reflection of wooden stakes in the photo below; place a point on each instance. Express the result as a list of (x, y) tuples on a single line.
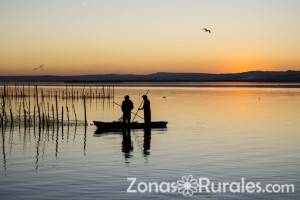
[(75, 113), (68, 117), (11, 117)]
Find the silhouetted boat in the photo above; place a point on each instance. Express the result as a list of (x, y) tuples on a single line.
[(111, 126)]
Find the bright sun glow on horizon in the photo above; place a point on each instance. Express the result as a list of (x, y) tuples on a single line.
[(72, 37)]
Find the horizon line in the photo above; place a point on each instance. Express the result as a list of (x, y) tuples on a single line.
[(145, 74)]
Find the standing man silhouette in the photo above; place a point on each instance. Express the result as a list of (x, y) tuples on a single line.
[(147, 110), (127, 106)]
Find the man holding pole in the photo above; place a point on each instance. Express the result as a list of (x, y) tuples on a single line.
[(147, 110), (127, 106)]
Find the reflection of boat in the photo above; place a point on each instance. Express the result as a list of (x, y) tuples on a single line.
[(110, 126)]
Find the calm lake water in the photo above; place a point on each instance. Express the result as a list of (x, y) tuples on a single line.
[(223, 134)]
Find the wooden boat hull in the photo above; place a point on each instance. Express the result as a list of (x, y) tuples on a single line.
[(111, 126)]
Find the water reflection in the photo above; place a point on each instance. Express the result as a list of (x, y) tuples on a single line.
[(35, 130), (3, 149), (127, 146), (84, 142), (37, 150), (11, 139), (51, 136), (258, 139), (75, 131), (129, 138), (147, 142), (56, 142)]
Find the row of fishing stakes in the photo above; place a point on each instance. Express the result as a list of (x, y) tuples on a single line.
[(92, 91), (29, 105)]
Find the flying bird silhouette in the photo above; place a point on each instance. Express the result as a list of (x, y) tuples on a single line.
[(41, 67), (207, 30)]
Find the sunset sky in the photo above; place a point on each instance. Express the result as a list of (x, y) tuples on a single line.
[(143, 36)]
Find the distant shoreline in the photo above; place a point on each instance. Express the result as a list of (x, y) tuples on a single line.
[(228, 84), (166, 78)]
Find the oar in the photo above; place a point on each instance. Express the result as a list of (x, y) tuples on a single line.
[(140, 106), (131, 112)]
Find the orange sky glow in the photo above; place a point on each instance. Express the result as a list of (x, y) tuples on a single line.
[(89, 36)]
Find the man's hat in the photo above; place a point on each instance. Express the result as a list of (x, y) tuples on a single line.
[(126, 97)]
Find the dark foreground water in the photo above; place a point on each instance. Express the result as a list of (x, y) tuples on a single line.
[(223, 134)]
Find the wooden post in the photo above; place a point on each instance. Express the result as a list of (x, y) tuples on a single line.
[(43, 120), (68, 117), (48, 115), (62, 117), (24, 116), (84, 105), (19, 113), (36, 95), (3, 105), (23, 103), (3, 110), (57, 121), (52, 108), (34, 116), (29, 111), (39, 112)]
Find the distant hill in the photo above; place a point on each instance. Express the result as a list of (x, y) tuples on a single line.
[(251, 76)]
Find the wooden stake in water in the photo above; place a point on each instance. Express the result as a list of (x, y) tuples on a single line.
[(48, 115), (68, 117), (2, 116), (25, 117), (39, 112), (52, 108), (36, 95), (34, 116), (56, 108), (62, 117), (43, 120), (84, 105)]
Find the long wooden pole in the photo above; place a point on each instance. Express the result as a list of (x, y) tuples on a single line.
[(140, 105), (131, 112)]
